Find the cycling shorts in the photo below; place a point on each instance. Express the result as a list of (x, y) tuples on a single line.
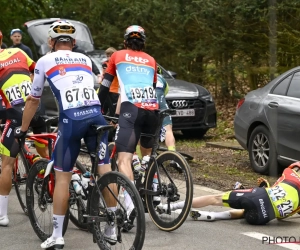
[(9, 146), (132, 122), (256, 203), (68, 142)]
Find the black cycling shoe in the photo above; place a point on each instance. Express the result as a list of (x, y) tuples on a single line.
[(176, 166), (128, 225)]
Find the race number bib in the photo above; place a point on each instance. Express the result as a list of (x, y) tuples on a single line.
[(277, 193), (17, 93), (78, 97), (285, 208), (146, 94)]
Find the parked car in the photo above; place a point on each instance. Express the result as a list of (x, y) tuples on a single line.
[(267, 123), (196, 111)]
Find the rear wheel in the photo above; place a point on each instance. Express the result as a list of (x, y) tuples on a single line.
[(176, 185), (40, 207), (123, 218)]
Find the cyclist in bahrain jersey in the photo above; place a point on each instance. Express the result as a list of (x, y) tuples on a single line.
[(257, 205), (70, 77), (15, 85), (136, 72)]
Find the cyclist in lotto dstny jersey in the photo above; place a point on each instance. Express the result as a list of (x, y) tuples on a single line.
[(136, 72), (70, 77)]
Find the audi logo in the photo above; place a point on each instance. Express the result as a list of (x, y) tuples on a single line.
[(180, 104)]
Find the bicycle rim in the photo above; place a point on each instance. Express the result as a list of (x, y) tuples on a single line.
[(20, 174), (40, 209), (177, 185), (134, 238)]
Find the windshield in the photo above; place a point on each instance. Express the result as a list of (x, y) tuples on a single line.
[(39, 34)]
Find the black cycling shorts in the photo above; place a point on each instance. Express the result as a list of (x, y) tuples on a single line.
[(255, 202), (132, 122)]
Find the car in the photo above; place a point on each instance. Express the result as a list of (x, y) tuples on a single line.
[(267, 121), (195, 107)]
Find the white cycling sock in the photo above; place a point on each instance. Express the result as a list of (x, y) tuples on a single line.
[(222, 215), (58, 222), (3, 205), (178, 205), (128, 200)]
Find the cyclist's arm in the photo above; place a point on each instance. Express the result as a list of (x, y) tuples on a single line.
[(33, 100), (30, 63)]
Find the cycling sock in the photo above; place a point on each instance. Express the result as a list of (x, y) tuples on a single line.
[(58, 222), (171, 148), (222, 215), (155, 183), (178, 205), (128, 201), (3, 205)]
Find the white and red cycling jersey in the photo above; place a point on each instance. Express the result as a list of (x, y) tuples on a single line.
[(70, 77)]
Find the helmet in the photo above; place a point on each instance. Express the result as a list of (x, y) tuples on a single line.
[(62, 28), (295, 166), (135, 31)]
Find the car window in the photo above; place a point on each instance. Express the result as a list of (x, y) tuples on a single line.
[(281, 88), (294, 88), (165, 73)]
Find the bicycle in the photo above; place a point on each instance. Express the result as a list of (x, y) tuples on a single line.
[(94, 214), (25, 160), (169, 176)]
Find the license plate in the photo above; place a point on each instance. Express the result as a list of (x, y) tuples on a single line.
[(184, 112)]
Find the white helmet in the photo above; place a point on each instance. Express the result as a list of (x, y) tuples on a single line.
[(62, 28)]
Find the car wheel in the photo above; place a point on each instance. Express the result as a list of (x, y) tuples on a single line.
[(262, 151), (194, 133)]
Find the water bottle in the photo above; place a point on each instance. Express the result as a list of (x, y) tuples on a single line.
[(145, 161), (85, 179), (76, 183), (136, 163)]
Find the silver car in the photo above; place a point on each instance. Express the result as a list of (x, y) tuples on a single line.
[(267, 123)]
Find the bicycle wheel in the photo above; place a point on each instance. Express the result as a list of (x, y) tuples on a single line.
[(185, 155), (134, 239), (177, 185), (20, 174), (40, 208), (77, 202)]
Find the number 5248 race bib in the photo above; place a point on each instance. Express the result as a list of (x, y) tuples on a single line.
[(78, 97)]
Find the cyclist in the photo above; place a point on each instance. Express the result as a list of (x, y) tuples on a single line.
[(70, 77), (136, 72), (15, 86), (258, 205)]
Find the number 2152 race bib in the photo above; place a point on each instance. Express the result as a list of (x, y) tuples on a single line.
[(17, 93), (78, 97)]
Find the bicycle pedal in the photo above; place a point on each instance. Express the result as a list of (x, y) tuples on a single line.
[(91, 219)]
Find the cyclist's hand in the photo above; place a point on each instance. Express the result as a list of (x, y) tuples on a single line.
[(261, 182), (20, 135)]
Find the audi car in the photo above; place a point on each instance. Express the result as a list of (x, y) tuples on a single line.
[(195, 107)]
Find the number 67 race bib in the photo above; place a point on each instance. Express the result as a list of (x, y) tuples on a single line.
[(78, 97)]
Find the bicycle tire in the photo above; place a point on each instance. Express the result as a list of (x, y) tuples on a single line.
[(140, 228), (76, 215), (158, 219), (33, 178), (19, 180), (185, 155)]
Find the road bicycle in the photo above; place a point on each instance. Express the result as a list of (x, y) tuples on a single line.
[(87, 210), (171, 173), (26, 158)]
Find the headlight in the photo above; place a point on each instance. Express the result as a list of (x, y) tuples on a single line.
[(208, 98)]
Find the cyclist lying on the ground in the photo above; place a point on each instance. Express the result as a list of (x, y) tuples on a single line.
[(257, 205)]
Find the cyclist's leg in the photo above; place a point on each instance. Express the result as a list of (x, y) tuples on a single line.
[(64, 155), (170, 139), (127, 136), (38, 126), (9, 149)]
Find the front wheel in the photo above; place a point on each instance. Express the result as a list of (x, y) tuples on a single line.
[(173, 173), (40, 207), (127, 219)]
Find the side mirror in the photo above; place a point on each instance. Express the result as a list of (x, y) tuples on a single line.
[(173, 74)]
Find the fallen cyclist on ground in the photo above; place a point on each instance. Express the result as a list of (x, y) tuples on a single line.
[(257, 205)]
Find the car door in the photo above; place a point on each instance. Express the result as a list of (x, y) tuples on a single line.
[(284, 116)]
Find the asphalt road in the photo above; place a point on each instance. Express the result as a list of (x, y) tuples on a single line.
[(218, 235)]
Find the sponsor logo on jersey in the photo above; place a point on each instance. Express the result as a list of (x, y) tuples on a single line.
[(65, 120), (85, 112), (296, 176), (36, 71), (127, 115), (10, 62), (37, 89), (239, 194), (68, 60), (78, 79), (62, 71), (137, 69), (263, 209), (137, 59)]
